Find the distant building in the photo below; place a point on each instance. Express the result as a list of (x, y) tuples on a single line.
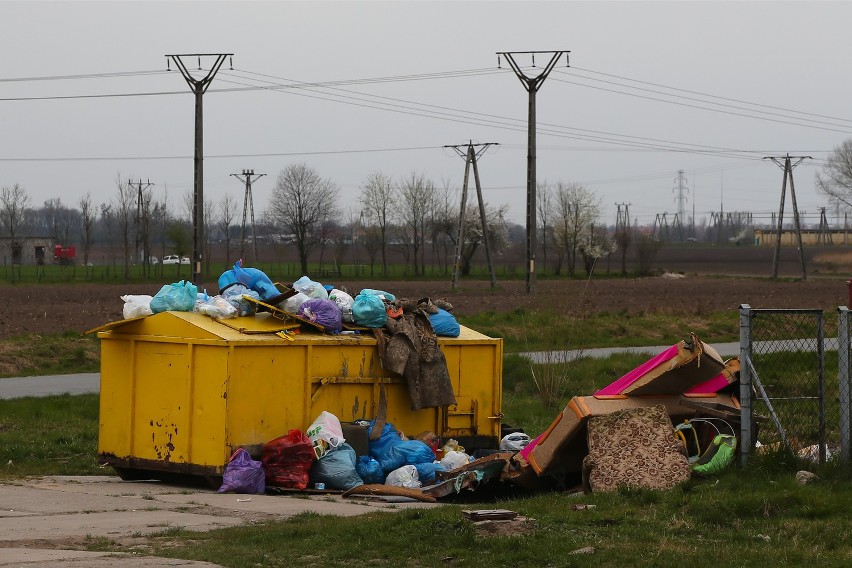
[(27, 250), (810, 237)]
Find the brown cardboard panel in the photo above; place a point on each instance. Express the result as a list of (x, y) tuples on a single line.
[(563, 445), (687, 369)]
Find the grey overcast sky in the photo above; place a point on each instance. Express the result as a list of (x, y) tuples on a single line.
[(653, 87)]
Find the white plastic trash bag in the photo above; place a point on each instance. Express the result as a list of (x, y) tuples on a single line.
[(514, 442), (454, 460), (344, 301), (326, 433), (136, 306), (310, 288), (293, 303), (215, 307), (406, 476)]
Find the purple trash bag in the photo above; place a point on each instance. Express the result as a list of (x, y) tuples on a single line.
[(243, 475), (324, 312)]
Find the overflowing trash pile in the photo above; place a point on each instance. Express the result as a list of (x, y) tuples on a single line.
[(244, 291), (683, 423), (672, 417), (389, 464)]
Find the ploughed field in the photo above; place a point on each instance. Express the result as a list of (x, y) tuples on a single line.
[(55, 308)]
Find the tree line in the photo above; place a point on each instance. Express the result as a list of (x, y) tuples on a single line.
[(412, 217)]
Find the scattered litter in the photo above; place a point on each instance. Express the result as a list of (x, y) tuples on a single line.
[(243, 500), (584, 550), (489, 515), (764, 537), (805, 477), (582, 507)]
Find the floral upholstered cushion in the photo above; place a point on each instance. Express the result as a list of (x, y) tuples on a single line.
[(635, 447)]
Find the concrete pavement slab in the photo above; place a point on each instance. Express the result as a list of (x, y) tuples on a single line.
[(46, 557), (66, 512)]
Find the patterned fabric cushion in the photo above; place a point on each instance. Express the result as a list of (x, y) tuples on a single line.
[(635, 447)]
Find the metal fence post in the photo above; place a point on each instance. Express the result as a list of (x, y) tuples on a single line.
[(746, 441), (821, 378), (844, 380)]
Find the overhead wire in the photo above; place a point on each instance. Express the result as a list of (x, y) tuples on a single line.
[(688, 105), (574, 67), (496, 121)]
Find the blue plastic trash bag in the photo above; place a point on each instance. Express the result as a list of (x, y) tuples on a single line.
[(406, 452), (445, 324), (381, 293), (178, 297), (234, 296), (392, 452), (243, 474), (324, 312), (369, 470), (426, 471), (369, 310), (256, 280), (337, 469)]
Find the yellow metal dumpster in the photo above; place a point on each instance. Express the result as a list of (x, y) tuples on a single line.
[(180, 392)]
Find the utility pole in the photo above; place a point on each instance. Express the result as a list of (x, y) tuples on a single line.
[(198, 88), (680, 198), (470, 156), (824, 231), (139, 205), (788, 166), (532, 84), (248, 205)]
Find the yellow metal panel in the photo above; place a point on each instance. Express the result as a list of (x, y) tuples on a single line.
[(266, 388), (207, 406), (116, 398), (162, 410), (260, 323)]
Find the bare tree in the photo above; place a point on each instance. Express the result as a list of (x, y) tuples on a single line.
[(108, 223), (577, 209), (415, 195), (302, 203), (544, 207), (443, 223), (377, 202), (13, 205), (87, 227), (474, 238), (835, 180), (124, 208), (227, 212), (209, 219), (145, 217), (50, 215)]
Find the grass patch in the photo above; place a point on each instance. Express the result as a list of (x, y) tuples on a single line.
[(743, 520), (543, 330), (49, 354), (56, 435)]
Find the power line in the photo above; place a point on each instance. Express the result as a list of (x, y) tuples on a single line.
[(219, 156), (84, 76), (575, 68), (704, 108)]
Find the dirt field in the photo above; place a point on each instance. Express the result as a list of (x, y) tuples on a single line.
[(49, 309)]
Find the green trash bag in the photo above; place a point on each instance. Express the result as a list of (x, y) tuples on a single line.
[(719, 455)]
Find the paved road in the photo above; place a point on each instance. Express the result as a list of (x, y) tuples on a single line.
[(80, 383)]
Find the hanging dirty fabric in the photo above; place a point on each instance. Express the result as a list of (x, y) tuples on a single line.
[(412, 351)]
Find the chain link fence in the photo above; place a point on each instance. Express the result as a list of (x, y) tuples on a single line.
[(844, 374), (789, 384)]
